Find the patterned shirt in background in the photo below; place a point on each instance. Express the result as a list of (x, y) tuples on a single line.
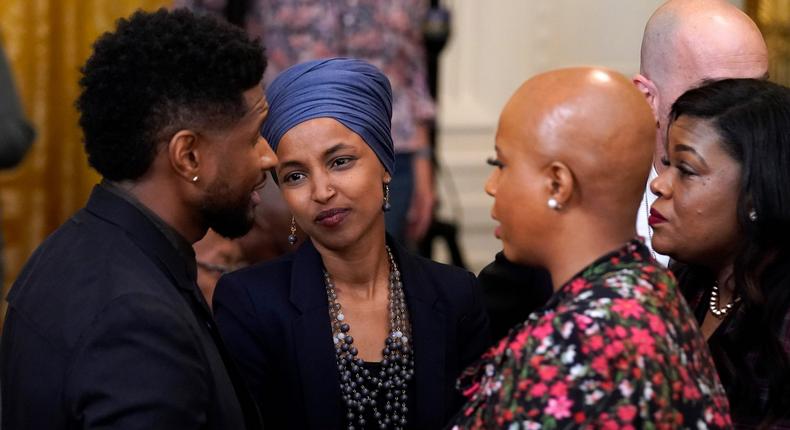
[(387, 33), (615, 348)]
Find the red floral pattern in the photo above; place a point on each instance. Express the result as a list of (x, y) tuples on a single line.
[(615, 348)]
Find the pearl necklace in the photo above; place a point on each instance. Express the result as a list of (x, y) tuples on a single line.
[(717, 311), (359, 388)]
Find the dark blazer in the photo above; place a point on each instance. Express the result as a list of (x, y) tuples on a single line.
[(107, 329), (275, 320), (511, 292)]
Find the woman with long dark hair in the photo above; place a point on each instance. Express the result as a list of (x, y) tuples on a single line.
[(723, 211)]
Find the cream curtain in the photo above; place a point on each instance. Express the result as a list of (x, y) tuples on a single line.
[(46, 42)]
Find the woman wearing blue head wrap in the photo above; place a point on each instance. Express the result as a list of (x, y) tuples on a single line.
[(351, 330)]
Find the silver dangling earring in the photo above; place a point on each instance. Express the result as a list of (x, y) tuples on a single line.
[(386, 206), (752, 215), (554, 204), (292, 236), (194, 178)]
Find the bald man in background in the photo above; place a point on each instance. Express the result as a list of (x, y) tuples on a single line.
[(573, 151), (685, 43)]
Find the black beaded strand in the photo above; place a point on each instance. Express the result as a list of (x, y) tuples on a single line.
[(397, 364)]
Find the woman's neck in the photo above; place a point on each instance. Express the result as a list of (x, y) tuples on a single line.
[(725, 280), (588, 246), (360, 267)]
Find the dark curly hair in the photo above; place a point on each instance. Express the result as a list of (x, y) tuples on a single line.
[(157, 73), (752, 117)]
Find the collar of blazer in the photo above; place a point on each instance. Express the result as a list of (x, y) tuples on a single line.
[(117, 211)]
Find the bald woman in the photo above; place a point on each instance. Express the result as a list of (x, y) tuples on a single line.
[(615, 346)]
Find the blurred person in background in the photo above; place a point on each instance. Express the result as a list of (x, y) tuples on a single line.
[(215, 256), (16, 133)]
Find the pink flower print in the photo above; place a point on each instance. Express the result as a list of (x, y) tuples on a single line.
[(499, 349), (578, 285), (643, 341), (596, 342), (625, 388), (517, 345), (600, 365), (690, 392), (547, 373), (657, 325), (627, 308), (559, 389), (559, 407), (626, 413), (582, 321), (538, 390), (472, 390), (540, 332), (613, 349)]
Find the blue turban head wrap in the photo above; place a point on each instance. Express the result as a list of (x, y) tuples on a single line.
[(353, 92)]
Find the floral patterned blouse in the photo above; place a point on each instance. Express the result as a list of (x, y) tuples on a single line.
[(615, 348), (387, 33)]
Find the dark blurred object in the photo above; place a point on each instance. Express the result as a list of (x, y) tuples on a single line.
[(512, 292), (236, 12), (16, 133), (449, 233), (436, 33), (436, 30)]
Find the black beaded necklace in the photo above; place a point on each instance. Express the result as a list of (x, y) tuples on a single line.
[(359, 388)]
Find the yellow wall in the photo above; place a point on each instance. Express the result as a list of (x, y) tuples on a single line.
[(46, 42)]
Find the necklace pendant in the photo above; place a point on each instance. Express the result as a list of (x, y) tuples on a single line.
[(715, 309)]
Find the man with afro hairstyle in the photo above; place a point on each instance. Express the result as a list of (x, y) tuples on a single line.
[(106, 327)]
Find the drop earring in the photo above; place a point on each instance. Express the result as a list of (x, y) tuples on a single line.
[(386, 206), (292, 236), (554, 204)]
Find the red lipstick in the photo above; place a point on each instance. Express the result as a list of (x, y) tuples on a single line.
[(655, 218)]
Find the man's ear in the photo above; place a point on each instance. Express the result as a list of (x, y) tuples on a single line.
[(649, 90), (560, 182), (185, 156)]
